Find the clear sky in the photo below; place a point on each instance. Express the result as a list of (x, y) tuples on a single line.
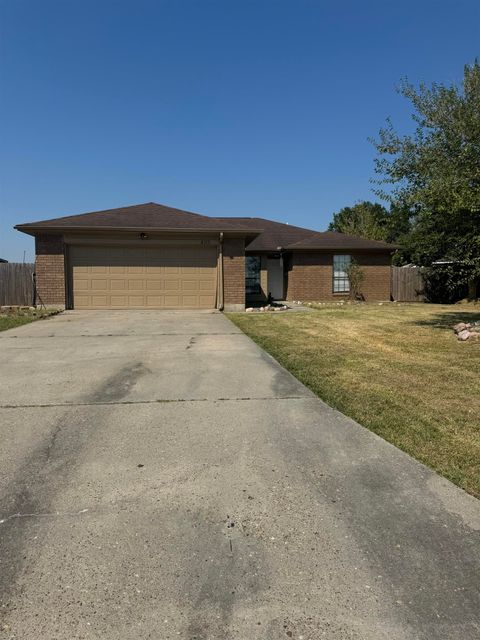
[(245, 107)]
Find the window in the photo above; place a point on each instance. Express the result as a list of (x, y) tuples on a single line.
[(252, 275), (341, 283)]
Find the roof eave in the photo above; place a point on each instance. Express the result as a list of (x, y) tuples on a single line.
[(389, 248), (35, 229)]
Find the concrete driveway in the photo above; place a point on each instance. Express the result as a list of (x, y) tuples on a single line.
[(161, 477)]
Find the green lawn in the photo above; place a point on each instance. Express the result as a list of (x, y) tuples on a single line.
[(10, 321), (396, 369)]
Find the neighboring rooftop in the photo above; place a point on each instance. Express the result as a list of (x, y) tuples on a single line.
[(264, 235)]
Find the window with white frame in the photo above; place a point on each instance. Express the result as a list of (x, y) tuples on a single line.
[(341, 283), (252, 275)]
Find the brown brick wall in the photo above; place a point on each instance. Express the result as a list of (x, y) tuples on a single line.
[(234, 273), (50, 270), (310, 276)]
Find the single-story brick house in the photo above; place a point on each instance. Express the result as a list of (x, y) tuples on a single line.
[(151, 256)]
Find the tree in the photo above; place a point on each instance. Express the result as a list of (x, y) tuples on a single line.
[(434, 174), (365, 219), (372, 220)]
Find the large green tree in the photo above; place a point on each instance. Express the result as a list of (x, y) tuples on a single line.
[(365, 219), (434, 174), (373, 221)]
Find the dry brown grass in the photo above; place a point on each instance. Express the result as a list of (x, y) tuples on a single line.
[(396, 369)]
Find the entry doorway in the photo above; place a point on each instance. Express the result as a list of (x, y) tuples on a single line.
[(275, 277)]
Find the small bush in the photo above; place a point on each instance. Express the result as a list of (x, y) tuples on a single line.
[(356, 277)]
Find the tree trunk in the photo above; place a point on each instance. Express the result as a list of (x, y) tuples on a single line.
[(472, 289)]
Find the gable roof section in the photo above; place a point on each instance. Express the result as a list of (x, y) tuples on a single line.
[(274, 234), (340, 241), (278, 235), (261, 234), (141, 216)]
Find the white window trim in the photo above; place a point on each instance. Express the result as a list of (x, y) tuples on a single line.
[(341, 280)]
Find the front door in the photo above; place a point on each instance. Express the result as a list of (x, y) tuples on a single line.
[(275, 278)]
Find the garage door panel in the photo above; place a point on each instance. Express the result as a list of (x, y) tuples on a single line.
[(204, 285), (172, 285), (100, 301), (189, 285), (118, 285), (172, 277), (189, 301), (205, 301), (119, 301), (136, 284), (83, 301), (154, 285), (136, 301), (172, 301), (155, 302), (97, 284)]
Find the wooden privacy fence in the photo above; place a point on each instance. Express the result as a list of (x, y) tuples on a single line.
[(408, 284), (16, 284)]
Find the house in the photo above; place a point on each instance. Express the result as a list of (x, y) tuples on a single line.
[(150, 256)]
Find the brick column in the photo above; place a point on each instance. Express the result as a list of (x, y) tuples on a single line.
[(50, 270), (234, 274)]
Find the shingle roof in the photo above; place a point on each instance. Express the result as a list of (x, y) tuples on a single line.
[(276, 235), (335, 240), (264, 235), (140, 216)]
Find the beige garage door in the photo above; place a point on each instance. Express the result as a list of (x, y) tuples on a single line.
[(143, 278)]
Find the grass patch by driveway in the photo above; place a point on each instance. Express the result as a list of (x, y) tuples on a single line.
[(10, 320), (396, 369)]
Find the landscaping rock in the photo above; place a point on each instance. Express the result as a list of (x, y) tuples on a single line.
[(267, 309), (467, 330)]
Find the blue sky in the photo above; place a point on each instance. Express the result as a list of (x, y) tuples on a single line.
[(222, 107)]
